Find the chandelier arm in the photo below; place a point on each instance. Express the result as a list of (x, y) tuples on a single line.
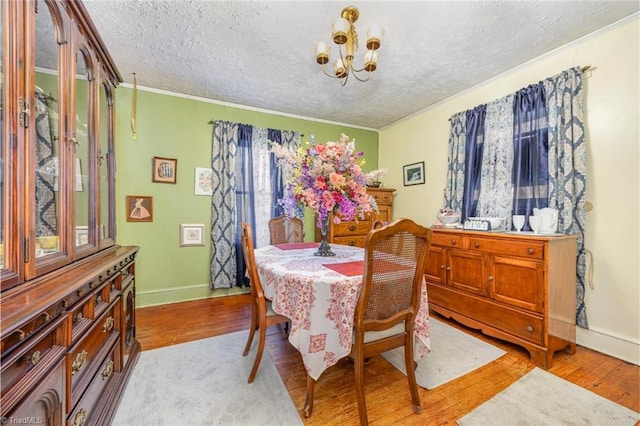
[(358, 78), (326, 73)]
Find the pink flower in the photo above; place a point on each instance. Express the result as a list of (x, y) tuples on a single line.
[(336, 179)]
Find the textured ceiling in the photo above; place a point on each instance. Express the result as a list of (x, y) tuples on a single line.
[(260, 53)]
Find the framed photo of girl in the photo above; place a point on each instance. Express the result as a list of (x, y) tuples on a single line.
[(139, 208)]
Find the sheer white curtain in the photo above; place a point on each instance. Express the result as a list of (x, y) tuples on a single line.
[(263, 195)]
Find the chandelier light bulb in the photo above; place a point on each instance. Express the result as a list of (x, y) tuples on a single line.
[(340, 29), (370, 60), (339, 69), (322, 52), (374, 37)]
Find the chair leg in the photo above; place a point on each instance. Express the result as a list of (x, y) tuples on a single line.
[(252, 330), (358, 369), (308, 403), (410, 365), (262, 333)]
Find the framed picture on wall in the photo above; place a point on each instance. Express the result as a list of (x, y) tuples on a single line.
[(191, 235), (82, 235), (203, 181), (139, 208), (165, 170), (413, 174)]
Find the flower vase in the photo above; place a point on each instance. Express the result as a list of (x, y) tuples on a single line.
[(324, 249)]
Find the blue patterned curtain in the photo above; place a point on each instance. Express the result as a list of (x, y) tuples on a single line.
[(245, 211), (46, 171), (243, 184), (568, 166), (277, 182), (454, 191), (530, 150), (224, 148), (496, 188), (473, 160)]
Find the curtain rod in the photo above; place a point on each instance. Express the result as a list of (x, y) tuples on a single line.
[(211, 122), (582, 70)]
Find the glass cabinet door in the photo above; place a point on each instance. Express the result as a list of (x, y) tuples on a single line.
[(45, 150), (84, 155), (8, 255), (106, 167)]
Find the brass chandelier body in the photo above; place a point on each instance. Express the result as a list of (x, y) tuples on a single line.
[(344, 34)]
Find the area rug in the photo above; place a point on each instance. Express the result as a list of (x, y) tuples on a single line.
[(540, 398), (205, 383), (454, 353)]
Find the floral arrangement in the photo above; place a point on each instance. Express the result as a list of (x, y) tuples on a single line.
[(374, 176), (326, 178)]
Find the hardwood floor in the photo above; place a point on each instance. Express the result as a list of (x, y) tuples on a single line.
[(387, 392)]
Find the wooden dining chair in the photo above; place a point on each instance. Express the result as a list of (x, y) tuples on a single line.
[(394, 264), (262, 315), (283, 229)]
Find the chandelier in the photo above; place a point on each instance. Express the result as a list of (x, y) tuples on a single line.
[(344, 34)]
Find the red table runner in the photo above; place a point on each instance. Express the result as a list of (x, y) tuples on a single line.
[(296, 246), (349, 269)]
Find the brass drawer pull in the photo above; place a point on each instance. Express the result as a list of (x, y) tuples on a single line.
[(78, 317), (453, 242), (108, 325), (34, 358), (476, 245), (441, 266), (530, 328), (490, 277), (107, 370), (530, 251), (79, 418), (352, 228), (79, 362), (352, 243), (21, 334)]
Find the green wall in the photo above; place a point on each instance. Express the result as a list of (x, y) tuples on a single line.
[(177, 127)]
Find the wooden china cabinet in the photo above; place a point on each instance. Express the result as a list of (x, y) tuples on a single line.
[(67, 307)]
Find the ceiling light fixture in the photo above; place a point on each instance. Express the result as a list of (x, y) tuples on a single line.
[(344, 33)]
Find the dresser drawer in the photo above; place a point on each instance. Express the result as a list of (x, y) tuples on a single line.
[(529, 327), (82, 358), (83, 410), (355, 241), (42, 349), (447, 240), (528, 249), (382, 197), (361, 227)]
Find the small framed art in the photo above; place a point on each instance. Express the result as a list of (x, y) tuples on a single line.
[(82, 235), (191, 235), (203, 181), (165, 170), (139, 208), (413, 174)]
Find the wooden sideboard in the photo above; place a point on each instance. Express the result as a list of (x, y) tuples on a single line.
[(354, 232), (519, 288)]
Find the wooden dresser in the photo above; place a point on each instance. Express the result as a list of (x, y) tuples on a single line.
[(519, 288), (354, 232), (67, 308)]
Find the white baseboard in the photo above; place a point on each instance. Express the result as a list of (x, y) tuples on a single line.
[(609, 345)]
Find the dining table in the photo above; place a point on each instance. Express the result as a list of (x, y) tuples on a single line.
[(319, 295)]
